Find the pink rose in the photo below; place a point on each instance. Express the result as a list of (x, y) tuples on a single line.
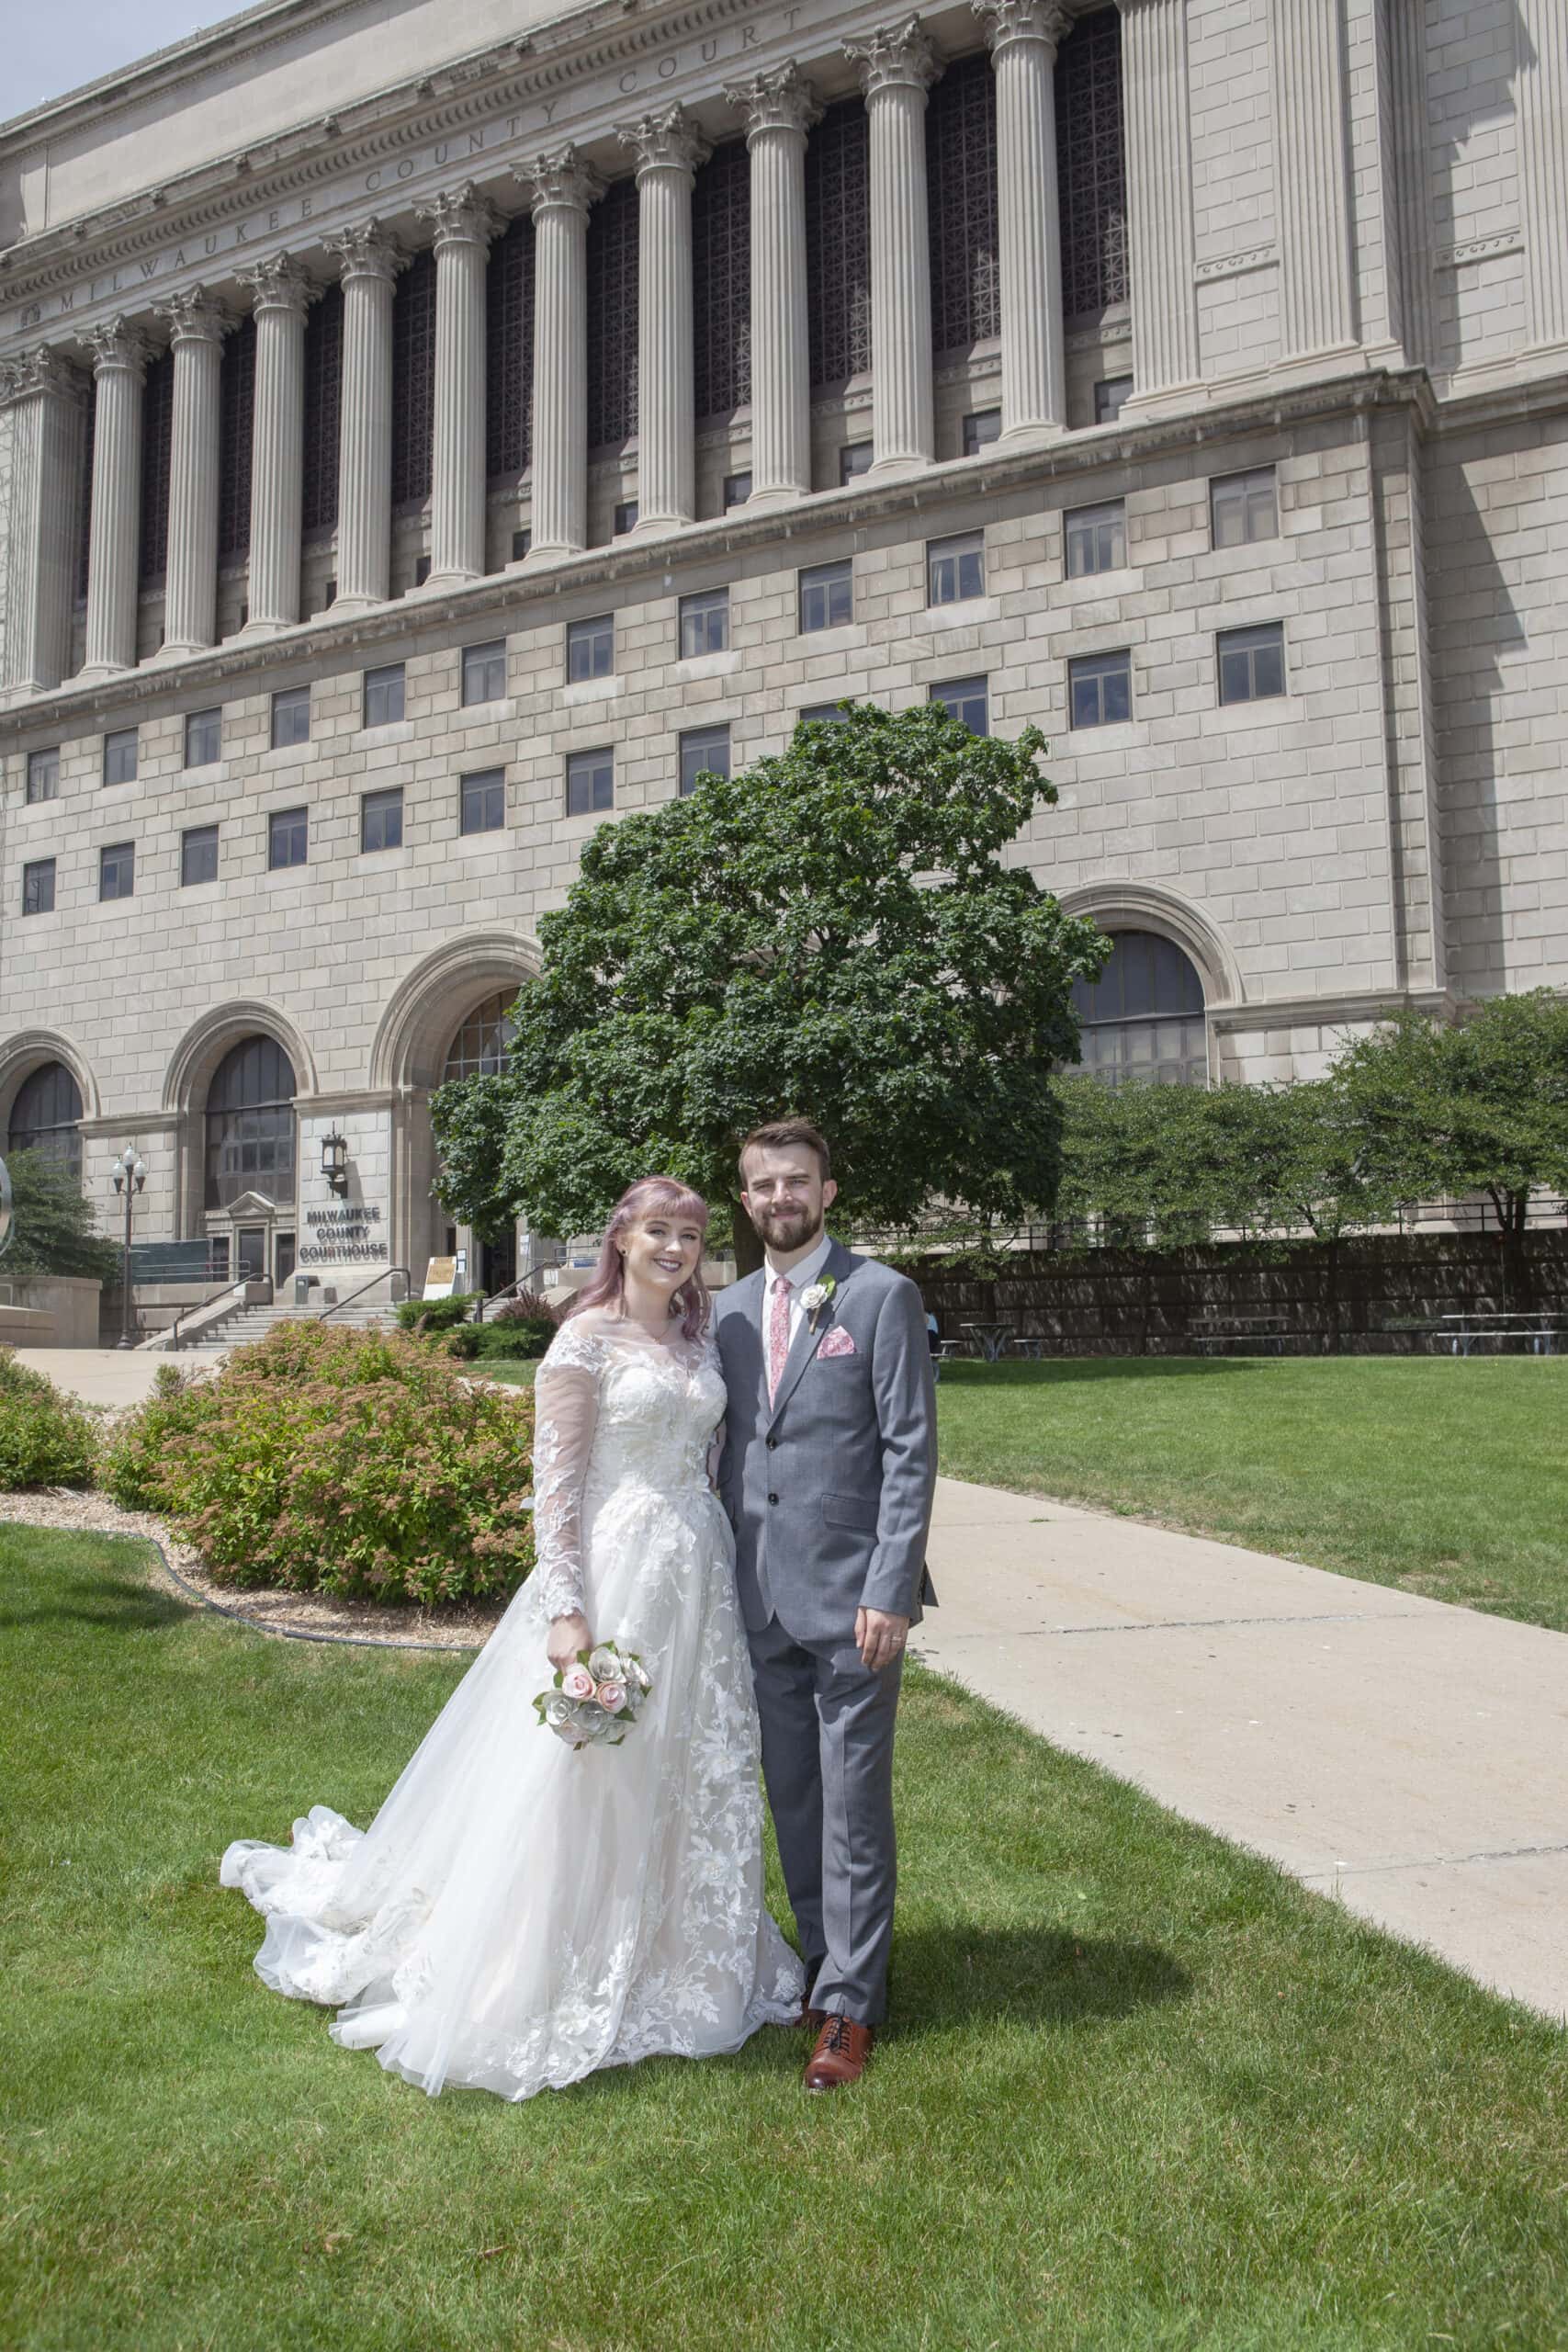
[(612, 1697), (577, 1682)]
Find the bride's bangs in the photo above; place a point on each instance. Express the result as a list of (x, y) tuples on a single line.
[(650, 1196)]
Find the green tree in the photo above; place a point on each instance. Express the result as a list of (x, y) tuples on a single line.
[(834, 931), (54, 1229)]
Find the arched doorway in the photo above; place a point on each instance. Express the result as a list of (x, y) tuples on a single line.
[(251, 1157), (45, 1117), (1144, 1019), (479, 1049)]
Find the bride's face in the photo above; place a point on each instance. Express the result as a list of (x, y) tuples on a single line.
[(663, 1251)]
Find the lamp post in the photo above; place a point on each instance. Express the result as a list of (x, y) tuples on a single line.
[(129, 1175), (334, 1160)]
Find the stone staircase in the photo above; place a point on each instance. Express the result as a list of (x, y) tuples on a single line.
[(250, 1323)]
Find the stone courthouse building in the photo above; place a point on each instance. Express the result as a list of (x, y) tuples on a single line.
[(432, 427)]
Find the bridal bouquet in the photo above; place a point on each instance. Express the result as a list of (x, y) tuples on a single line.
[(595, 1703)]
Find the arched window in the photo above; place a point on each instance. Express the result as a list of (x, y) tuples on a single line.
[(479, 1049), (1143, 1017), (249, 1125), (44, 1116)]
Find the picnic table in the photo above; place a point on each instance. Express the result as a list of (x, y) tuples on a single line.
[(1031, 1349), (1461, 1330), (1272, 1333), (992, 1339)]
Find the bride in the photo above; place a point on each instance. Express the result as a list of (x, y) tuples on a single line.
[(520, 1912)]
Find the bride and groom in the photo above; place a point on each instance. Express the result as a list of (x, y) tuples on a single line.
[(520, 1912)]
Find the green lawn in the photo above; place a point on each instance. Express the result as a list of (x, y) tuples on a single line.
[(1142, 2091), (1441, 1476)]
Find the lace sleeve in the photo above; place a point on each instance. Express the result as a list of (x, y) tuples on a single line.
[(566, 1399)]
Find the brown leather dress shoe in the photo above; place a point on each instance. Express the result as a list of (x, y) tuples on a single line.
[(840, 2055)]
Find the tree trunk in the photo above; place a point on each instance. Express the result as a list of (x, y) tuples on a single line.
[(1334, 1341), (748, 1244)]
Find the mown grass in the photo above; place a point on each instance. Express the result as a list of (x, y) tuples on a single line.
[(1143, 2094), (1441, 1476)]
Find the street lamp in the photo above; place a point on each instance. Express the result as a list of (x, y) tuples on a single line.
[(334, 1160), (129, 1175)]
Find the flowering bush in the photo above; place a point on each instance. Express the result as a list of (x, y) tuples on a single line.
[(338, 1460), (46, 1439)]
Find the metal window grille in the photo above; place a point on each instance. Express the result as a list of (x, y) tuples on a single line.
[(384, 695), (1099, 688), (323, 409), (1097, 539), (479, 1049), (413, 380), (85, 519), (960, 172), (288, 837), (291, 716), (482, 803), (704, 622), (120, 756), (1111, 395), (236, 410), (198, 855), (590, 649), (1252, 663), (43, 773), (854, 457), (44, 1116), (203, 738), (737, 490), (612, 316), (955, 569), (116, 871), (1244, 508), (590, 783), (981, 429), (381, 819), (827, 594), (484, 672), (1091, 174), (838, 243), (38, 887), (965, 699), (157, 435), (704, 751), (721, 261), (250, 1124), (1144, 1018), (509, 354)]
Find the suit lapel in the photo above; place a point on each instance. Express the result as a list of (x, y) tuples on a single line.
[(839, 1266)]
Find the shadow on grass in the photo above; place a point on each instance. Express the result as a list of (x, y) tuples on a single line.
[(968, 1373), (961, 1974), (117, 1604)]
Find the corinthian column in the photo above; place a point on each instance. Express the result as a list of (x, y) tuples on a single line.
[(897, 67), (563, 187), (369, 261), (1541, 87), (119, 366), (277, 445), (1162, 252), (45, 398), (668, 148), (1318, 305), (190, 597), (778, 110), (1023, 37), (464, 226)]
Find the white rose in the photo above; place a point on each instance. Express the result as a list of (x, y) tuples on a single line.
[(813, 1296)]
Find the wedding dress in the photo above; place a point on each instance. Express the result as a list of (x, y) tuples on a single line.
[(520, 1913)]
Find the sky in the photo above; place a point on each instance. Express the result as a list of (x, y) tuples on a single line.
[(58, 46)]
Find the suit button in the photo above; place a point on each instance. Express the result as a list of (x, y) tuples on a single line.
[(772, 1498), (773, 1443)]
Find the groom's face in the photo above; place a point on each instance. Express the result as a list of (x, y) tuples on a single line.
[(786, 1196)]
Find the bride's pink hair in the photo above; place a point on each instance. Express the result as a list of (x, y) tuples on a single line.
[(650, 1196)]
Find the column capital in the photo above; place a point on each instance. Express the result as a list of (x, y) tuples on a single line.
[(666, 140), (366, 250), (1007, 21), (117, 344), (895, 57), (460, 215), (781, 100), (44, 369), (192, 316), (278, 285), (562, 180)]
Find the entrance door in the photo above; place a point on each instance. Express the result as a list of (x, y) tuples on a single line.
[(283, 1259), (253, 1254), (498, 1264)]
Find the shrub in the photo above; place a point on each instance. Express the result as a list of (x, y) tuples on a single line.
[(47, 1439), (515, 1341), (339, 1461), (132, 1466), (525, 1307), (433, 1313)]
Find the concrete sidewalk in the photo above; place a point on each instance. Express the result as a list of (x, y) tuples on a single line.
[(101, 1376), (1406, 1755)]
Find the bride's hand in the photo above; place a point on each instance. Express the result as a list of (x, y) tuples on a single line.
[(566, 1637)]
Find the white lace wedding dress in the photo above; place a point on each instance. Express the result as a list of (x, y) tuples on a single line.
[(519, 1912)]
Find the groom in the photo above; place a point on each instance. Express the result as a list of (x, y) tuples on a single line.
[(828, 1474)]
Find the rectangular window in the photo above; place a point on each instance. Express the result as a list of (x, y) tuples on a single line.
[(821, 714), (981, 429), (291, 716), (43, 773), (737, 490), (704, 622), (590, 783), (38, 887), (383, 695), (625, 518), (1252, 663), (520, 543), (827, 596), (1099, 688), (482, 805), (288, 837), (1244, 508), (198, 855), (420, 571), (854, 459), (381, 819), (1097, 539), (120, 756), (116, 871), (955, 569), (484, 672), (704, 751), (965, 699), (1109, 398), (203, 738), (590, 648)]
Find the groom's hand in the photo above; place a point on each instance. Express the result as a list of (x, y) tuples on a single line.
[(879, 1637)]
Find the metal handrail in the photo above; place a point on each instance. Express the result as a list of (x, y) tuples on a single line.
[(239, 1283), (511, 1289), (385, 1274)]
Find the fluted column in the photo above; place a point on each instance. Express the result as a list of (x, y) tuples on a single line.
[(277, 445), (1161, 245), (114, 533), (668, 147), (464, 226), (897, 67), (1541, 98), (190, 595), (779, 108), (562, 187), (1023, 36), (1317, 300), (368, 262), (48, 426)]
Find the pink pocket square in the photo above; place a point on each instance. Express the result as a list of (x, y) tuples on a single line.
[(838, 1343)]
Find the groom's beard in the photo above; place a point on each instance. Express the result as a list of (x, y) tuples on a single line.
[(788, 1228)]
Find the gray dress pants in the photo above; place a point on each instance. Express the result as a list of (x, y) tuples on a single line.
[(828, 1760)]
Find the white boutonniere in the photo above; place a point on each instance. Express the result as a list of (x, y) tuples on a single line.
[(815, 1297)]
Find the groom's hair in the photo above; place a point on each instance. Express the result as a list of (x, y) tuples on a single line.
[(779, 1134)]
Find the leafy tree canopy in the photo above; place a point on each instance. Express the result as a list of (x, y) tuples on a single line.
[(54, 1232), (834, 931)]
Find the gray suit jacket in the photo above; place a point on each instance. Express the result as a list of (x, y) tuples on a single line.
[(829, 1489)]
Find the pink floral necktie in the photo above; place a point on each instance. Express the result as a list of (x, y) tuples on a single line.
[(778, 1334)]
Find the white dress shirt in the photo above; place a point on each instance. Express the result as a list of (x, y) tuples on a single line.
[(799, 1278)]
